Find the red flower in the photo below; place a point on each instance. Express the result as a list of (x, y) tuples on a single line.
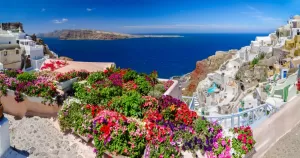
[(250, 141), (105, 129)]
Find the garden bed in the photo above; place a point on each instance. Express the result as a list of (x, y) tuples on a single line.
[(126, 114), (30, 106), (29, 94)]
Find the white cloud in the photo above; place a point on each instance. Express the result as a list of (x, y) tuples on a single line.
[(63, 20), (43, 10), (255, 13), (90, 9)]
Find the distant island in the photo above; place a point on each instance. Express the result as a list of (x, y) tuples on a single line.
[(96, 35)]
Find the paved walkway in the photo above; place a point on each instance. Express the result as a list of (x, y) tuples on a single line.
[(37, 137), (287, 147)]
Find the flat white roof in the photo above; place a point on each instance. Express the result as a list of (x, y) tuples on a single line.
[(26, 40), (263, 38)]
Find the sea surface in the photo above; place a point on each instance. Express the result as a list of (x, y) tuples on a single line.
[(169, 56)]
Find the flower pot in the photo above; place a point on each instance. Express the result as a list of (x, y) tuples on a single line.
[(66, 84)]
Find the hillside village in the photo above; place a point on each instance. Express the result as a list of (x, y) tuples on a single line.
[(265, 72), (231, 92)]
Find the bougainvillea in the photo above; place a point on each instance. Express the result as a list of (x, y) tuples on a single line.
[(81, 75), (53, 65)]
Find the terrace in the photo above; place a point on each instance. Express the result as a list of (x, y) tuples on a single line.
[(119, 107)]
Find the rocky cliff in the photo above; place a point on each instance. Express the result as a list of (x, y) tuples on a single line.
[(205, 67), (251, 76), (85, 35), (13, 26)]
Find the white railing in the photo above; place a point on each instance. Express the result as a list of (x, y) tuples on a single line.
[(190, 101), (250, 117)]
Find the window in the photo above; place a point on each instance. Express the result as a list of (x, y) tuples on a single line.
[(17, 51), (5, 53)]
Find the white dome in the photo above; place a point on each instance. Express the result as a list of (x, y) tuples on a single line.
[(297, 17)]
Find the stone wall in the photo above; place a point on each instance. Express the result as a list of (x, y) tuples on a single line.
[(205, 67)]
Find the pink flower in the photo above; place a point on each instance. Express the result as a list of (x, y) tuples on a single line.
[(223, 142), (216, 145)]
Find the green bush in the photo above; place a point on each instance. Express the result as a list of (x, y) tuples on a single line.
[(73, 116), (11, 73), (160, 87), (128, 104), (155, 93), (26, 77), (143, 85), (130, 75), (94, 77)]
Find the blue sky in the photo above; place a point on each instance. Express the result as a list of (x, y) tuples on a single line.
[(150, 16)]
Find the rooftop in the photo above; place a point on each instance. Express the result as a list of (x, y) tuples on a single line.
[(9, 46), (78, 65)]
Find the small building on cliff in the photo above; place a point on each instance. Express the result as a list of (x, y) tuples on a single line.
[(10, 55)]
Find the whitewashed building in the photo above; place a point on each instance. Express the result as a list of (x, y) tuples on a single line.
[(33, 52)]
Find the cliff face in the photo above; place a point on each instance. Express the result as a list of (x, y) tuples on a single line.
[(205, 67), (13, 26), (86, 35)]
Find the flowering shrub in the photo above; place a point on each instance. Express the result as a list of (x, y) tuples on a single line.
[(113, 132), (82, 75), (244, 141), (29, 84), (115, 110), (130, 85), (53, 65)]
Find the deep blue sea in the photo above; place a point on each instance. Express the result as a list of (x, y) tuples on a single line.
[(169, 56)]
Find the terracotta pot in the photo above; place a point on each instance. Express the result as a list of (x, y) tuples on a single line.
[(1, 111)]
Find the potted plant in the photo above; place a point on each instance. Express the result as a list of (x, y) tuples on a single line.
[(65, 81)]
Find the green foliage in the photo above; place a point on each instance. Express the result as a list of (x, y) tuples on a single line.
[(94, 77), (11, 73), (164, 149), (130, 75), (155, 94), (200, 126), (73, 117), (160, 87), (95, 95), (120, 144), (143, 85), (261, 56), (254, 62), (26, 77), (129, 104)]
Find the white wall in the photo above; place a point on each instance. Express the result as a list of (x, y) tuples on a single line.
[(11, 58), (5, 39), (294, 32), (36, 64)]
